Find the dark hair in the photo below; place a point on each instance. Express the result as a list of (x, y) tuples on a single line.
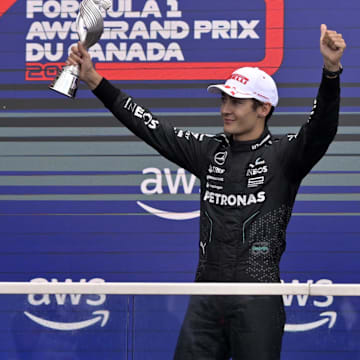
[(256, 103)]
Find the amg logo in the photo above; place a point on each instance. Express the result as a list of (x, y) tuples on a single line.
[(234, 199)]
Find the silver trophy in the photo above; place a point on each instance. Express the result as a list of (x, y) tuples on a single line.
[(89, 26)]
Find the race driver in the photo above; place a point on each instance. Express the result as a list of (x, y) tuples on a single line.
[(249, 179)]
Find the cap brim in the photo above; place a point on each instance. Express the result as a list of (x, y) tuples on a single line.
[(218, 89)]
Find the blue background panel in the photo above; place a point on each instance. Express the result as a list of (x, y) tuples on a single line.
[(72, 179)]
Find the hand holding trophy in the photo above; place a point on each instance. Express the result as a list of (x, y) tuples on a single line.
[(89, 26)]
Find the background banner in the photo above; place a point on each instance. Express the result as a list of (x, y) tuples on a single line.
[(81, 197)]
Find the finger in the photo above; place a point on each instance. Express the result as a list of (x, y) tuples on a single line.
[(336, 41), (331, 32), (333, 41), (326, 38), (332, 45), (340, 44), (75, 51), (75, 59), (70, 62), (331, 36), (323, 29), (82, 49), (327, 42), (335, 37)]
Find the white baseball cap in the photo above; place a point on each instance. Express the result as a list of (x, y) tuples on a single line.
[(249, 83)]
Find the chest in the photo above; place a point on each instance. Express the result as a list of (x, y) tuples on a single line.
[(239, 172)]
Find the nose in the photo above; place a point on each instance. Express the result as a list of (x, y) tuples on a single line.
[(226, 107)]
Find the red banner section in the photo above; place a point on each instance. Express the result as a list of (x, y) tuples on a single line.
[(38, 71), (274, 45), (5, 5)]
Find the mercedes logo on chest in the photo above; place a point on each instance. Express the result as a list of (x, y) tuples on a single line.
[(220, 157)]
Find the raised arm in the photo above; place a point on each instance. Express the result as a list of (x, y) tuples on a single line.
[(184, 148), (301, 152)]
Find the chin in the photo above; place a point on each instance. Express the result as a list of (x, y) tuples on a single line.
[(229, 131)]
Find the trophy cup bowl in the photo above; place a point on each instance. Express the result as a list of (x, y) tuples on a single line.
[(89, 26)]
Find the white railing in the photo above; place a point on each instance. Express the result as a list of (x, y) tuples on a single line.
[(180, 288)]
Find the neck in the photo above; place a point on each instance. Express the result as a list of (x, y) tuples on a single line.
[(253, 135)]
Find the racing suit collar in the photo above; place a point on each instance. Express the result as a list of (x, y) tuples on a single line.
[(252, 145)]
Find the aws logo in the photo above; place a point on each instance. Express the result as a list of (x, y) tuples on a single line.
[(318, 318), (160, 180), (100, 316)]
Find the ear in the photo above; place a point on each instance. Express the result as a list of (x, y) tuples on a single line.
[(264, 109)]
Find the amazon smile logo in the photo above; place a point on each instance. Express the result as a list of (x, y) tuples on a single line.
[(324, 318), (101, 316), (97, 317), (176, 183)]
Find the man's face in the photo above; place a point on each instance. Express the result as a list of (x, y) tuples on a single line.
[(240, 118)]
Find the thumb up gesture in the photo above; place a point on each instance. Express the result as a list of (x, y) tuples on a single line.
[(332, 46)]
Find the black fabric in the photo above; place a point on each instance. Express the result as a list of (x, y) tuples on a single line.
[(107, 92), (240, 327)]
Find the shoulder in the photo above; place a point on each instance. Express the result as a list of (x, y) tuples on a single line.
[(191, 135), (281, 140)]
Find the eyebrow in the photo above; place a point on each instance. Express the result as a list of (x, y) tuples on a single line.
[(226, 96)]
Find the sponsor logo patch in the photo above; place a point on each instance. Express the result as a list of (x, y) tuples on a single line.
[(236, 200), (141, 113), (260, 248), (258, 167), (220, 157), (215, 170)]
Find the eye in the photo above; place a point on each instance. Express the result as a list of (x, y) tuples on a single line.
[(238, 101)]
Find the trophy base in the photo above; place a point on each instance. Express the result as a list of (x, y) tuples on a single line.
[(66, 82)]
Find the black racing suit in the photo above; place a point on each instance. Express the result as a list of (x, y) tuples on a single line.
[(248, 189)]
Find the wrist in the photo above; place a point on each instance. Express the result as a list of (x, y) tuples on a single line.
[(332, 67), (332, 72), (93, 79)]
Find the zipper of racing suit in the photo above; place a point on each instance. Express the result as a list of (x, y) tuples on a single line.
[(211, 225), (203, 245), (244, 225)]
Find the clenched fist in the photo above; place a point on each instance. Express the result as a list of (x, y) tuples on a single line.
[(332, 46)]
